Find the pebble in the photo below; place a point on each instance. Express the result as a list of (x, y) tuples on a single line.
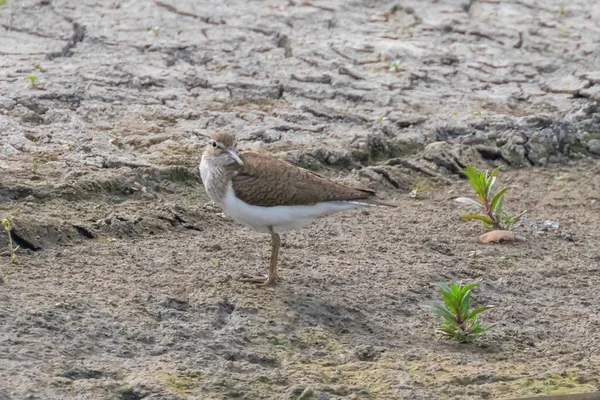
[(594, 146)]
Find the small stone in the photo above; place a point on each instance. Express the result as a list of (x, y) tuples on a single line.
[(7, 103), (296, 391), (366, 353), (306, 394), (554, 159), (593, 77), (158, 350), (564, 235), (9, 150), (566, 84), (449, 59), (594, 146), (547, 68), (56, 381), (548, 224)]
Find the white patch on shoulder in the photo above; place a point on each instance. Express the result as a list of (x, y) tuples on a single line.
[(281, 218)]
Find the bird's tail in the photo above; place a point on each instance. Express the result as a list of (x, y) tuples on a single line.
[(373, 203)]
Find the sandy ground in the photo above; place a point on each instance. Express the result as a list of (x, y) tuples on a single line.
[(127, 285)]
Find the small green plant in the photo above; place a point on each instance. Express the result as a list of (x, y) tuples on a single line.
[(32, 82), (460, 320), (414, 194), (490, 204), (38, 67), (32, 79), (11, 248), (115, 140), (395, 66)]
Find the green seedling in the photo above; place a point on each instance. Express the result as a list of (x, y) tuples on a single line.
[(11, 248), (414, 194), (563, 30), (491, 203), (38, 67), (32, 82), (155, 30), (395, 66), (460, 320), (115, 140)]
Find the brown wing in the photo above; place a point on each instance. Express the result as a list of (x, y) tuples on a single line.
[(268, 181)]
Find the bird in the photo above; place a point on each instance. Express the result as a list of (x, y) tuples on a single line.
[(271, 195)]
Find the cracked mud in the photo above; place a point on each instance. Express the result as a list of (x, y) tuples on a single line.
[(127, 285)]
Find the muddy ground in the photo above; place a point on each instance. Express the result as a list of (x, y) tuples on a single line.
[(127, 281)]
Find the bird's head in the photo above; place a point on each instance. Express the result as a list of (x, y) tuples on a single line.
[(222, 148)]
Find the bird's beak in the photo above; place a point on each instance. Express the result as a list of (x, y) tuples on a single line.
[(234, 155)]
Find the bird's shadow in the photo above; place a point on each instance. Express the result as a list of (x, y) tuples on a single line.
[(363, 325), (338, 318)]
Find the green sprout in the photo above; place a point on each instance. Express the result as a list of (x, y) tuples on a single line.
[(155, 30), (38, 67), (395, 65), (11, 248), (32, 82), (460, 320), (490, 204), (414, 194), (115, 140)]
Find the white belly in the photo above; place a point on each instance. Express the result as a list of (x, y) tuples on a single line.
[(281, 218)]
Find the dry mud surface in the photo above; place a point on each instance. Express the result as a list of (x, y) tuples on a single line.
[(127, 285)]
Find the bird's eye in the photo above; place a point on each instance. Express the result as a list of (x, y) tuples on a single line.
[(214, 144)]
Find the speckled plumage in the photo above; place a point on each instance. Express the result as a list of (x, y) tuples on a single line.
[(268, 181)]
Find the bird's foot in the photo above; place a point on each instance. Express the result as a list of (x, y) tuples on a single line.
[(268, 281)]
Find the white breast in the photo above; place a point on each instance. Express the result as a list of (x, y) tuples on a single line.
[(281, 218)]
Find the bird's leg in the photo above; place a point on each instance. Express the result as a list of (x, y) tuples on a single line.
[(275, 243), (273, 276)]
